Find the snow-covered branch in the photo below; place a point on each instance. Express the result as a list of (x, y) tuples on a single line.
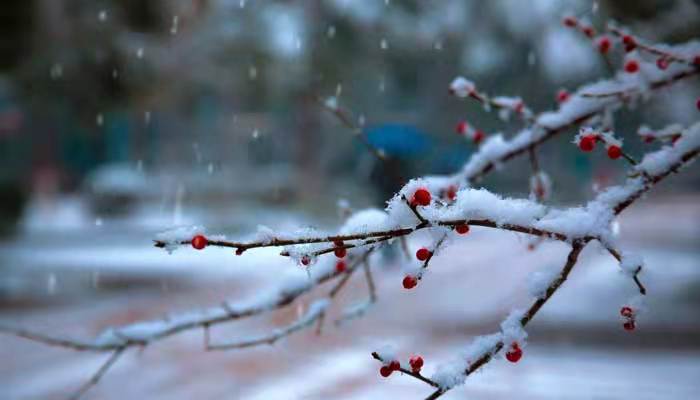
[(577, 225), (314, 313), (448, 207), (145, 332), (654, 167)]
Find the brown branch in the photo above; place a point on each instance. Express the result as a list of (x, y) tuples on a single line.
[(345, 246), (370, 282), (414, 210), (378, 236), (52, 341), (571, 260), (628, 158), (345, 119), (640, 44), (407, 372), (432, 253), (360, 310), (521, 110), (618, 256), (317, 310), (534, 163), (577, 246), (552, 132), (626, 93), (653, 180), (229, 313)]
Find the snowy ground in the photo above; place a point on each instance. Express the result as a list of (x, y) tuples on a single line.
[(577, 348)]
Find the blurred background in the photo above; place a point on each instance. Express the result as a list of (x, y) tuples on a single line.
[(121, 118)]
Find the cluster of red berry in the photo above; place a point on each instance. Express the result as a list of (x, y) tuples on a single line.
[(604, 44), (515, 353), (423, 197), (463, 128), (416, 363), (572, 22), (588, 141), (629, 316), (340, 252)]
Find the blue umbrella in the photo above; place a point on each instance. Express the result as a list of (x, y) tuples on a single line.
[(399, 141)]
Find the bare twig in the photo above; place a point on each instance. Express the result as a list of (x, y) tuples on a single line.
[(361, 309), (408, 372), (95, 379), (370, 282), (358, 131), (618, 256), (517, 107), (314, 313)]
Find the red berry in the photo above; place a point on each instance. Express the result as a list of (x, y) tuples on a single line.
[(631, 66), (421, 197), (199, 242), (340, 252), (423, 254), (696, 60), (340, 266), (648, 138), (629, 325), (394, 365), (588, 31), (478, 136), (626, 312), (614, 152), (569, 21), (662, 63), (306, 260), (462, 229), (461, 127), (697, 103), (604, 44), (239, 251), (416, 363), (519, 107), (409, 282), (587, 143), (539, 191), (629, 42), (515, 353), (562, 96), (385, 371), (451, 192), (338, 243)]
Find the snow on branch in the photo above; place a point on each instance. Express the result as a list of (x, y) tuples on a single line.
[(446, 207), (588, 101), (314, 313), (658, 165)]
